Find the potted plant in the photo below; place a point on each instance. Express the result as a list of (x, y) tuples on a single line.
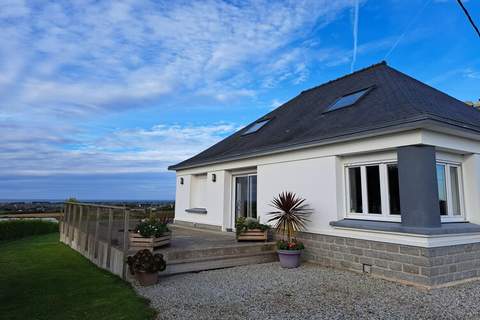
[(149, 234), (289, 218), (250, 229), (145, 266)]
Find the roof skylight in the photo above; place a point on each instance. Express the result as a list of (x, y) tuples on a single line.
[(347, 100), (256, 126)]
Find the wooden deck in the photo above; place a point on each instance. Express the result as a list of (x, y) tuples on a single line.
[(98, 233), (194, 250)]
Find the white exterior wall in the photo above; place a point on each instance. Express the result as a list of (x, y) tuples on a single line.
[(317, 174), (471, 183), (312, 179)]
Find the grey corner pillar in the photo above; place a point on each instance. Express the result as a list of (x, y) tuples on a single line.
[(418, 186)]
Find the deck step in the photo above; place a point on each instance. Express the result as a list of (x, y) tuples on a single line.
[(218, 262), (233, 250)]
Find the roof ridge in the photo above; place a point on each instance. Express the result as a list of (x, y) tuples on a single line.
[(383, 62)]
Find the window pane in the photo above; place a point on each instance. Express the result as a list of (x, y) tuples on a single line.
[(455, 191), (442, 188), (255, 127), (373, 189), (355, 181), (393, 189), (347, 100)]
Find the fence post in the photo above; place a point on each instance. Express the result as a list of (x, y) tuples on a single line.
[(79, 238), (109, 236), (67, 227), (74, 217), (126, 226), (87, 232), (95, 239), (64, 222)]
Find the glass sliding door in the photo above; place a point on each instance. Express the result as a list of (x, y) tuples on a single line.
[(245, 196)]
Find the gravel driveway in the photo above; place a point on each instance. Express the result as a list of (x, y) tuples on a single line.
[(266, 291)]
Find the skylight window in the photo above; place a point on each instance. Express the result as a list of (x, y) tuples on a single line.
[(256, 126), (348, 100)]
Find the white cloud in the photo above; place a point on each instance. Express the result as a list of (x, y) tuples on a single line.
[(121, 151), (63, 64)]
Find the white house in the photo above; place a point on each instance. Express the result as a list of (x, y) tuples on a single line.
[(389, 165)]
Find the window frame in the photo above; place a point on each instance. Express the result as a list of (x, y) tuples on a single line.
[(331, 105), (450, 217), (385, 197), (384, 194), (249, 129)]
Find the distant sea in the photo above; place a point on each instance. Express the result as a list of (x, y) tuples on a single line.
[(87, 200)]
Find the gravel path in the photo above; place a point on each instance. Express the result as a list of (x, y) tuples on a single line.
[(266, 291)]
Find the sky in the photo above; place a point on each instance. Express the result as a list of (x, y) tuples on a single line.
[(98, 98)]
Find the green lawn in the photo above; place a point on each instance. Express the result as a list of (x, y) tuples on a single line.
[(41, 278)]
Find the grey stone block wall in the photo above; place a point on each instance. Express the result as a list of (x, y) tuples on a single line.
[(424, 266)]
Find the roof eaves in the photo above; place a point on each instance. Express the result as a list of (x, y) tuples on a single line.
[(350, 135)]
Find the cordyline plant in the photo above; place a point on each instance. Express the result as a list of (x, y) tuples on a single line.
[(291, 214)]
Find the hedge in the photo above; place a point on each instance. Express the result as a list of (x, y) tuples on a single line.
[(14, 229)]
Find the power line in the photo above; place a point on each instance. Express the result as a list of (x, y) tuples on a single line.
[(468, 16)]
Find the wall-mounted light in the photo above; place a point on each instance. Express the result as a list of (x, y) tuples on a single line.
[(214, 177), (181, 180)]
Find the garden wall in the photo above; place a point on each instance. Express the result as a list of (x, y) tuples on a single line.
[(430, 267)]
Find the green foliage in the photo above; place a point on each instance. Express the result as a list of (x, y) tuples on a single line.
[(15, 229), (243, 224), (72, 199), (151, 228), (145, 261), (293, 245), (42, 279), (290, 216)]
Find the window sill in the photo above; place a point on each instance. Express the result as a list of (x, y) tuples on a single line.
[(446, 228), (373, 217), (197, 210)]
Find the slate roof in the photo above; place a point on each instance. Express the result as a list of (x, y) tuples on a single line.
[(396, 99)]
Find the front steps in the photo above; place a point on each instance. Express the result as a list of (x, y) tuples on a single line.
[(194, 260)]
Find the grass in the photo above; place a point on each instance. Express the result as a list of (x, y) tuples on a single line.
[(40, 278)]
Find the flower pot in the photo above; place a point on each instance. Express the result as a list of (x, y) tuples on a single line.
[(289, 258), (146, 278), (137, 242)]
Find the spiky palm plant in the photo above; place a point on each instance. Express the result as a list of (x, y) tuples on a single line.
[(291, 214)]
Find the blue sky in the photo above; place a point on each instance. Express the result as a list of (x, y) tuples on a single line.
[(97, 98)]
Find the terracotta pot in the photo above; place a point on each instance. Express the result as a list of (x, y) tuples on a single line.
[(146, 278), (289, 258)]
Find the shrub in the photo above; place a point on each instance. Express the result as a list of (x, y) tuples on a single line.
[(243, 224), (15, 229), (145, 261), (290, 217), (151, 228)]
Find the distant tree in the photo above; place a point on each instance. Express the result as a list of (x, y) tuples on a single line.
[(474, 104), (72, 199)]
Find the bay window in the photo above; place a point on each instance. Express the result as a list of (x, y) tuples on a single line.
[(373, 191)]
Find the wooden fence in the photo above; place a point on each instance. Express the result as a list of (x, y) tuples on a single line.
[(100, 232)]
